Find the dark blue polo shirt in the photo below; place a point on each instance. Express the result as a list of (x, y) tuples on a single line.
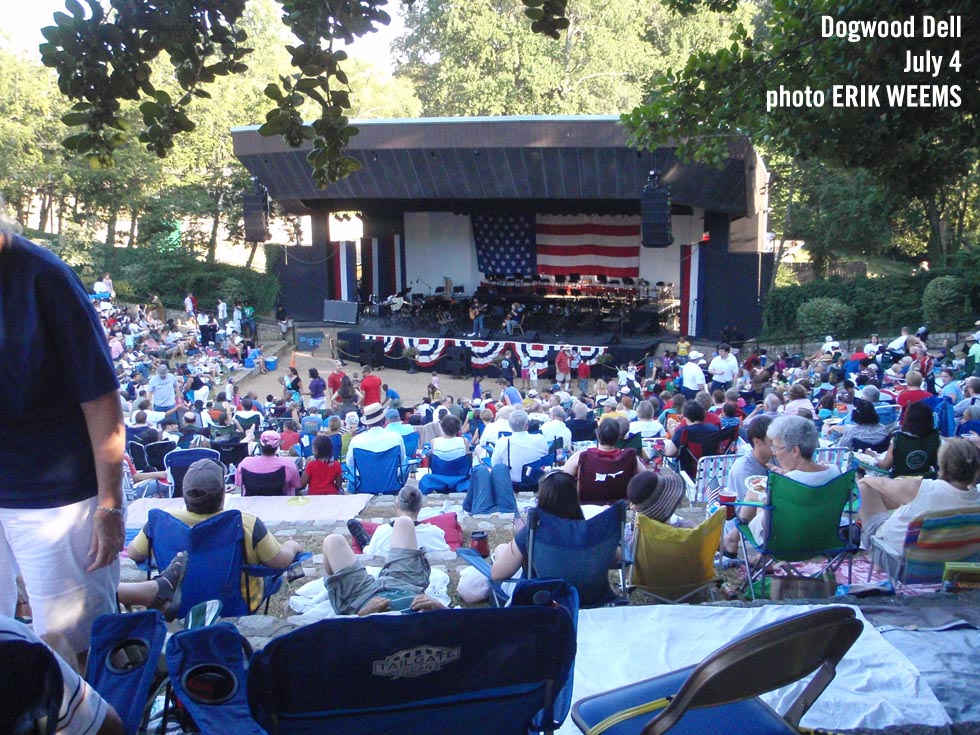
[(53, 357)]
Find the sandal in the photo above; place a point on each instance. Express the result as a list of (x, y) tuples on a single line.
[(169, 582)]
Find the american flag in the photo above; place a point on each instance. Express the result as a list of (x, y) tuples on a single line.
[(504, 243), (590, 245)]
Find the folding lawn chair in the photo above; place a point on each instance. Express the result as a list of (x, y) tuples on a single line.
[(840, 457), (216, 567), (156, 452), (932, 540), (377, 473), (451, 476), (208, 670), (231, 453), (122, 663), (30, 704), (137, 452), (722, 691), (673, 564), (723, 441), (263, 483), (804, 522), (711, 477), (580, 553), (482, 671), (602, 478), (178, 461)]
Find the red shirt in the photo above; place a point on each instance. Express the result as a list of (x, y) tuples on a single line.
[(562, 362), (287, 440), (333, 381), (584, 370), (710, 417), (323, 477), (911, 395), (371, 389)]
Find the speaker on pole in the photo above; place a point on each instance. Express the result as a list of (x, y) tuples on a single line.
[(655, 213), (255, 212)]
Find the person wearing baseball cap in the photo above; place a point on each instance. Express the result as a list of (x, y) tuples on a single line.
[(204, 497), (269, 461), (376, 438)]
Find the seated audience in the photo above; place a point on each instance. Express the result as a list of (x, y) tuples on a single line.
[(888, 505), (269, 461), (914, 450), (866, 427), (603, 472), (322, 474)]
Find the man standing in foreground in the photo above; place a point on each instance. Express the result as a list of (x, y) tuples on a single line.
[(61, 522)]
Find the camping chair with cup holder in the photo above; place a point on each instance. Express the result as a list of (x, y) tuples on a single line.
[(177, 462), (446, 476), (30, 704), (268, 484), (377, 473)]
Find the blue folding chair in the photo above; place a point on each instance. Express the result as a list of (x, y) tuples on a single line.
[(722, 692), (122, 662), (452, 476), (208, 673), (378, 473), (480, 671), (216, 561), (30, 703), (411, 441), (577, 552), (177, 461)]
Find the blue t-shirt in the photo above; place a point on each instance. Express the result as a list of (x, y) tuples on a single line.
[(53, 357), (512, 395)]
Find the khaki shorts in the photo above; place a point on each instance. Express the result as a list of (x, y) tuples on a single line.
[(350, 589)]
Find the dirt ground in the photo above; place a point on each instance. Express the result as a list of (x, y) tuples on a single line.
[(411, 387)]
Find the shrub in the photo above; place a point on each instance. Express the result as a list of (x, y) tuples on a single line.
[(825, 315), (945, 302)]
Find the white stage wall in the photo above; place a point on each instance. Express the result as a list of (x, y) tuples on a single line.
[(439, 244)]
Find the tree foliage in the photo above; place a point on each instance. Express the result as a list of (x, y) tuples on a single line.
[(825, 315), (945, 303)]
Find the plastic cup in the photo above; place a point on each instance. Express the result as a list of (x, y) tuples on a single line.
[(728, 496), (480, 543)]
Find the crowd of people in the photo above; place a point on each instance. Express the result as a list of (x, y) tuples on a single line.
[(129, 374)]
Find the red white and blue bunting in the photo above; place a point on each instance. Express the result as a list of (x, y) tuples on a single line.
[(432, 349)]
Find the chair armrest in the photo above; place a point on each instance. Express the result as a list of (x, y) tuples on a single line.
[(261, 570)]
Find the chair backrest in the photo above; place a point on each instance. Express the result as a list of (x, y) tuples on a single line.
[(723, 441), (712, 476), (771, 657), (459, 467), (933, 539), (633, 441), (840, 457), (384, 673), (879, 446), (915, 455), (220, 434), (263, 483), (138, 454), (944, 417), (533, 471), (231, 453), (411, 441), (177, 461), (378, 473), (579, 552), (156, 451), (887, 413), (122, 661), (33, 700), (672, 562), (208, 673), (602, 478), (215, 551), (804, 520), (249, 424)]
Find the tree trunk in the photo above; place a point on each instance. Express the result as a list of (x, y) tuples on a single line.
[(110, 240), (251, 256), (787, 226), (213, 241), (42, 218), (134, 213)]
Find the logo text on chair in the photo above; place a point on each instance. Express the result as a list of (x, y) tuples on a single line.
[(415, 662)]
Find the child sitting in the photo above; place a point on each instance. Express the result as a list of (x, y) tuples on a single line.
[(322, 475)]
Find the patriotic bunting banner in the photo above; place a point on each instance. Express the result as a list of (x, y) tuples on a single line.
[(432, 349)]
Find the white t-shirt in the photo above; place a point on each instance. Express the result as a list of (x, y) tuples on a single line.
[(693, 376), (649, 429), (728, 367), (898, 344), (448, 448), (555, 428), (518, 450), (933, 495), (429, 536)]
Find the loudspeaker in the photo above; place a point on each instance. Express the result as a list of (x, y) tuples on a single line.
[(532, 336), (255, 212), (344, 312), (655, 212), (457, 361)]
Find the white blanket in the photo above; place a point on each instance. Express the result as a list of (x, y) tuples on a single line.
[(876, 686)]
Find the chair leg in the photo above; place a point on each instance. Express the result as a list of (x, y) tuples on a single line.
[(748, 568)]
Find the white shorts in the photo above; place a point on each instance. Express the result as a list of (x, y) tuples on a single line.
[(318, 404), (562, 377), (49, 548)]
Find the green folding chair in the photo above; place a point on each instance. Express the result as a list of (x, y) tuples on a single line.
[(804, 522)]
